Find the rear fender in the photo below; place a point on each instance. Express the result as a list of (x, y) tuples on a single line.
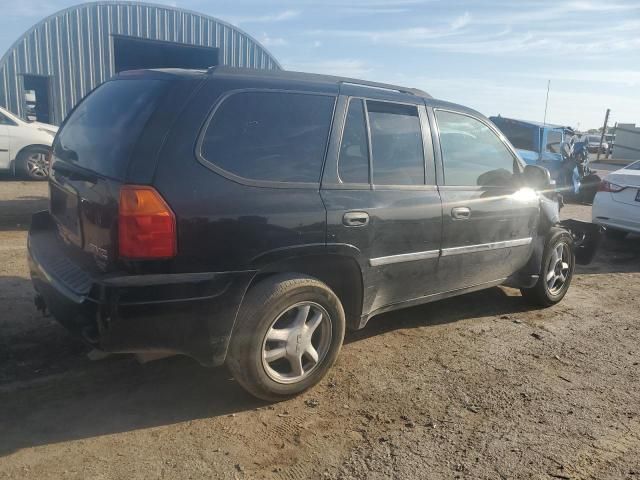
[(339, 266)]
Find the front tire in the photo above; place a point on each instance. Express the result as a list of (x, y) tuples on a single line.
[(558, 264), (288, 334), (32, 163)]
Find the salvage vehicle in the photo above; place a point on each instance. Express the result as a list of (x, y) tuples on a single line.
[(248, 217), (546, 145), (24, 146), (617, 203), (593, 142)]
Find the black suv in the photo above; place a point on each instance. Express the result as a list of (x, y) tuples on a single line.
[(248, 217)]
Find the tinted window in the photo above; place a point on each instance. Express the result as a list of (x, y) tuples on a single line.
[(472, 153), (396, 143), (270, 136), (521, 136), (554, 140), (101, 132), (353, 163)]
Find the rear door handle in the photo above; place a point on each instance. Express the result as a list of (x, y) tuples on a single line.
[(461, 213), (355, 219)]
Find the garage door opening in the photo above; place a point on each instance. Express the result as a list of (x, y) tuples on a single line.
[(136, 53), (36, 98)]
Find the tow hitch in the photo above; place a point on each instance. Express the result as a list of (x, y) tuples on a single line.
[(587, 238)]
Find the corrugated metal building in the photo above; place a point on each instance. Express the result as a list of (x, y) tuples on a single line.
[(627, 142), (59, 60)]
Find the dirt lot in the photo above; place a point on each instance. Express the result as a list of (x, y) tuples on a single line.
[(479, 386)]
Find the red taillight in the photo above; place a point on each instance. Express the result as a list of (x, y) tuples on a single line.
[(609, 187), (146, 225)]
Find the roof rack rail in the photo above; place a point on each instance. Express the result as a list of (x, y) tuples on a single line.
[(384, 86)]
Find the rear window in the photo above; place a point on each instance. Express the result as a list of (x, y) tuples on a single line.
[(102, 131), (270, 136), (521, 136)]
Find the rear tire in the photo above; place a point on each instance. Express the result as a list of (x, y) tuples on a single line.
[(288, 334), (616, 234), (558, 264), (32, 163)]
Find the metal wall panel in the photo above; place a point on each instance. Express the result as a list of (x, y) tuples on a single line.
[(74, 48)]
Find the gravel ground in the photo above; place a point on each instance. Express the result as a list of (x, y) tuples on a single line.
[(480, 386)]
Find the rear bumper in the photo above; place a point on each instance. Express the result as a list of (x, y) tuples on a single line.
[(185, 313), (618, 215)]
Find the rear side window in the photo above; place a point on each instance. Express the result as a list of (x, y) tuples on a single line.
[(472, 154), (353, 163), (396, 144), (102, 131), (270, 136)]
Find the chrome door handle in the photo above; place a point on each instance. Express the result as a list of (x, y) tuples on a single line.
[(461, 213), (355, 219)]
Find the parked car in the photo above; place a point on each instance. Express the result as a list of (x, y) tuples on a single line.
[(248, 217), (548, 146), (24, 146), (617, 203), (594, 144)]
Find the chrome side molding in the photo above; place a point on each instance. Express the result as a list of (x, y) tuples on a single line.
[(445, 252), (482, 247), (405, 257)]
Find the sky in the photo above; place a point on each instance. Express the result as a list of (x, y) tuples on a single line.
[(494, 56)]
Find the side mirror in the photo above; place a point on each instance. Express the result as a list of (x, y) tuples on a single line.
[(537, 177)]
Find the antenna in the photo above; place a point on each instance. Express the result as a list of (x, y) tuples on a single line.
[(546, 102)]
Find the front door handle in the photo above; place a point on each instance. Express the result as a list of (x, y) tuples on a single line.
[(461, 213), (355, 219)]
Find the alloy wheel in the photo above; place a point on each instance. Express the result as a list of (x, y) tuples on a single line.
[(558, 267), (37, 165), (296, 342)]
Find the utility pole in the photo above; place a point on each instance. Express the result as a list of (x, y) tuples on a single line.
[(604, 129), (546, 102), (613, 140)]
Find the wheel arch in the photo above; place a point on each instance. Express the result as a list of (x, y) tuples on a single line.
[(341, 273), (28, 147)]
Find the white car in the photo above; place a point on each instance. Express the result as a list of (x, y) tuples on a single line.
[(24, 146), (617, 203)]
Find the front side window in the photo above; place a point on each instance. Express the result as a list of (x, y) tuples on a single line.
[(353, 162), (554, 140), (270, 136), (396, 144), (472, 154)]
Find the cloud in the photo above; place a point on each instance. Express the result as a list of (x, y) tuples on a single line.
[(629, 78), (268, 41), (461, 21), (268, 18), (30, 8)]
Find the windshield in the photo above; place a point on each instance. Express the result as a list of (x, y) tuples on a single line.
[(101, 132), (633, 166)]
